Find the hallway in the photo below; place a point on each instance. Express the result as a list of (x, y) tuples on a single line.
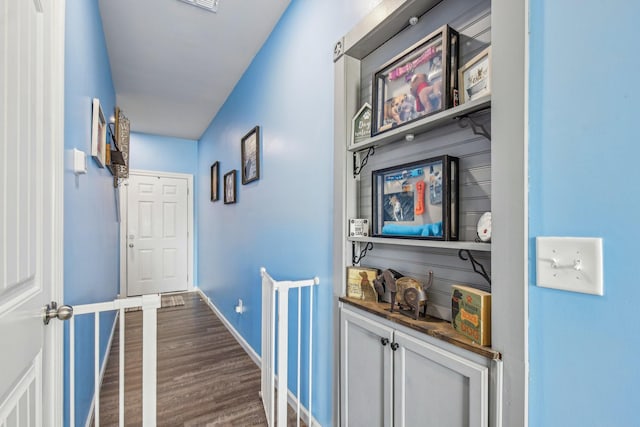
[(205, 378)]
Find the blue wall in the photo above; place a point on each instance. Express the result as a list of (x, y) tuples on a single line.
[(163, 153), (91, 265), (283, 221), (583, 182)]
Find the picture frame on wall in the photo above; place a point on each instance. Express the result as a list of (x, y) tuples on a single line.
[(475, 77), (215, 181), (250, 156), (230, 187), (98, 134), (419, 82)]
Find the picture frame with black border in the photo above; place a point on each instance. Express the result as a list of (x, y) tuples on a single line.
[(215, 181), (250, 156), (230, 187), (419, 82)]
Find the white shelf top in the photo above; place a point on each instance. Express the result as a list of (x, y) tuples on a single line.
[(455, 245), (424, 124)]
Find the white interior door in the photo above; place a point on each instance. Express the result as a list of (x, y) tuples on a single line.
[(157, 234), (31, 88)]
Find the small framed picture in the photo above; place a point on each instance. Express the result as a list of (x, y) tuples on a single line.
[(98, 134), (360, 283), (215, 181), (475, 77), (250, 147), (230, 187)]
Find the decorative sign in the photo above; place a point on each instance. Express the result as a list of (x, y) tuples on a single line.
[(358, 227), (361, 124)]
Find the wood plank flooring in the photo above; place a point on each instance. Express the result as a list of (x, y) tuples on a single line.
[(205, 378)]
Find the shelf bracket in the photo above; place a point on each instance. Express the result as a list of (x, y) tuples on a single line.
[(363, 161), (477, 267), (477, 128), (363, 253)]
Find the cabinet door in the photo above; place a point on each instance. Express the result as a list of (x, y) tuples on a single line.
[(433, 387), (365, 372)]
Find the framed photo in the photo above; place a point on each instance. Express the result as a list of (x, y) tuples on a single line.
[(250, 147), (417, 200), (230, 187), (475, 77), (98, 134), (215, 181), (419, 82), (360, 283)]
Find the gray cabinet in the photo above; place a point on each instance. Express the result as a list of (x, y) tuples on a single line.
[(406, 381)]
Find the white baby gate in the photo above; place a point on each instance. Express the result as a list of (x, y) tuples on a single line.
[(273, 293), (149, 304)]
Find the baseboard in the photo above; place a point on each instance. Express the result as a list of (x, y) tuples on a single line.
[(103, 368), (291, 398), (243, 343)]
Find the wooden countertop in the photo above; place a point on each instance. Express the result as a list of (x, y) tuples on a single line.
[(431, 326)]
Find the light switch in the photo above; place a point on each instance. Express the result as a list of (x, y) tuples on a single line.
[(570, 263)]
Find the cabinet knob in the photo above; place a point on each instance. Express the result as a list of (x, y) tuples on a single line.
[(384, 341), (394, 346)]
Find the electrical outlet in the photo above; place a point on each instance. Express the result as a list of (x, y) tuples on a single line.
[(570, 263)]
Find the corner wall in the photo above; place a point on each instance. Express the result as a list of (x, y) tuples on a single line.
[(90, 229), (283, 221), (583, 182)]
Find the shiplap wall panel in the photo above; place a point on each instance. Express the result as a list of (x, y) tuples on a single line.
[(472, 20)]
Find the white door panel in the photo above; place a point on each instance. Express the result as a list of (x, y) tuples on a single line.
[(157, 235), (31, 56)]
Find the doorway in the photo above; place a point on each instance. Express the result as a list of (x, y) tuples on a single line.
[(156, 233)]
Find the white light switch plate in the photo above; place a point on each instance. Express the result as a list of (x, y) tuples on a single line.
[(570, 263)]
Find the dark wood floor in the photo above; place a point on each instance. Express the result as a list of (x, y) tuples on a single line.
[(205, 378)]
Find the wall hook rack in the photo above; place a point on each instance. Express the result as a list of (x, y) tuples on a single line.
[(477, 128), (363, 253), (363, 161), (477, 267)]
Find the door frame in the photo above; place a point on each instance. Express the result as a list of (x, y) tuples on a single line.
[(53, 365), (124, 212)]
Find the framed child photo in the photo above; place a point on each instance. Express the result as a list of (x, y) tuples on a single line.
[(419, 82), (230, 187), (215, 181), (250, 148)]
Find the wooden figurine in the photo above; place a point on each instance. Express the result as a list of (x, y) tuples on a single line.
[(416, 298)]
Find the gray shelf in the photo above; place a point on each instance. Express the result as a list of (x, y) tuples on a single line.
[(454, 245), (424, 124)]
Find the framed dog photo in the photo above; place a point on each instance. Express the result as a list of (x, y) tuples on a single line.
[(230, 187), (419, 82), (475, 77), (250, 147), (417, 200), (215, 181)]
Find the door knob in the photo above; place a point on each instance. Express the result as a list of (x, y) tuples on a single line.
[(130, 245), (51, 311)]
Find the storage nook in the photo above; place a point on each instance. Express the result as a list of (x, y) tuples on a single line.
[(425, 68)]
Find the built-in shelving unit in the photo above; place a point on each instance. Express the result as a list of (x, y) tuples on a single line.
[(492, 177)]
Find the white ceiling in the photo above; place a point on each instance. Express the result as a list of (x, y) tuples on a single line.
[(173, 65)]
